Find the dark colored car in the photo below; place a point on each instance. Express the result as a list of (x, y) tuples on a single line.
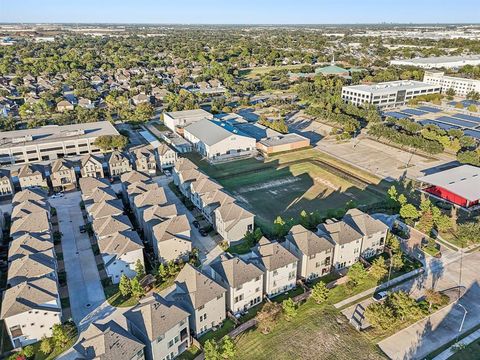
[(203, 232), (82, 229), (196, 223)]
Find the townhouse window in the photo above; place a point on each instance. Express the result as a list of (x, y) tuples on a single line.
[(177, 339), (170, 343), (201, 307), (317, 264), (275, 272), (240, 287), (328, 251), (160, 338), (182, 322), (257, 289), (219, 296), (257, 278)]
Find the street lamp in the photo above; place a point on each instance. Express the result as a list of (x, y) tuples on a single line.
[(463, 320)]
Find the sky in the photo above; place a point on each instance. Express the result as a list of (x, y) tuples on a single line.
[(240, 12)]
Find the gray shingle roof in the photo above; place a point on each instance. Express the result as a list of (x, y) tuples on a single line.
[(307, 241), (154, 316), (236, 271), (110, 225), (272, 255), (108, 342), (120, 243), (171, 228), (200, 288)]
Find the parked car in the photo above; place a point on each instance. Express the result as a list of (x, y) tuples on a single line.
[(196, 223), (167, 173), (83, 229), (203, 232), (380, 296)]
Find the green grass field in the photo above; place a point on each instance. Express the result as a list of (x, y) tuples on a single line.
[(317, 332), (288, 183)]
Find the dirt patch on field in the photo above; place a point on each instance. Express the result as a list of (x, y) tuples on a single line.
[(268, 185)]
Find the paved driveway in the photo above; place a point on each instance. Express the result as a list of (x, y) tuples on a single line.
[(425, 336), (84, 286)]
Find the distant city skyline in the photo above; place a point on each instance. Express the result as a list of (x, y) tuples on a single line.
[(240, 12)]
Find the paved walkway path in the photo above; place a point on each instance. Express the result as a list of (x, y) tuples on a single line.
[(465, 341)]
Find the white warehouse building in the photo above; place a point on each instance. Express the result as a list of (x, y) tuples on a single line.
[(387, 94), (447, 62)]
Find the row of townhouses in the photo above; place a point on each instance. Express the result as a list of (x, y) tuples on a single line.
[(161, 326), (119, 244), (62, 174), (221, 210), (164, 229), (31, 304)]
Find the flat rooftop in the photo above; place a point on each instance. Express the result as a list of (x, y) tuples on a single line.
[(440, 59), (211, 131), (55, 133), (462, 180), (283, 140), (388, 87), (185, 114)]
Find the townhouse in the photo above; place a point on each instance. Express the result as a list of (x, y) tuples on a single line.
[(144, 159), (227, 217), (202, 297), (357, 234), (118, 164), (172, 239), (109, 341), (154, 215), (121, 251), (6, 185), (62, 175), (154, 195), (279, 266), (243, 281), (314, 252), (161, 325), (91, 166), (166, 157), (31, 175)]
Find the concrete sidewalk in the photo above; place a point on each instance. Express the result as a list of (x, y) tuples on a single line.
[(465, 341)]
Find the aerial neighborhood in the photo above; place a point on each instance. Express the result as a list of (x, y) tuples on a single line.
[(239, 192)]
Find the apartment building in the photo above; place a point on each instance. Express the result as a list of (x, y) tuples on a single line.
[(314, 252), (32, 175), (161, 325), (243, 281), (438, 62), (279, 266), (109, 341), (461, 86), (219, 141), (357, 234), (118, 164), (177, 120), (91, 166), (63, 175), (388, 94), (202, 297), (52, 142)]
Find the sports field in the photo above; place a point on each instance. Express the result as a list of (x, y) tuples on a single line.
[(288, 183)]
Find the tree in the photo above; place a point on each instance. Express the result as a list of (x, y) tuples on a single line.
[(392, 243), (46, 346), (125, 287), (162, 271), (357, 273), (380, 316), (450, 93), (29, 351), (137, 289), (404, 307), (397, 261), (59, 335), (426, 222), (228, 348), (472, 108), (467, 233), (211, 351), (143, 112), (320, 292), (378, 270), (433, 298), (139, 269), (111, 142), (402, 200), (409, 212), (279, 227), (289, 309)]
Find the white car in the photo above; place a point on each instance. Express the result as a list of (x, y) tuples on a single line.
[(380, 296)]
